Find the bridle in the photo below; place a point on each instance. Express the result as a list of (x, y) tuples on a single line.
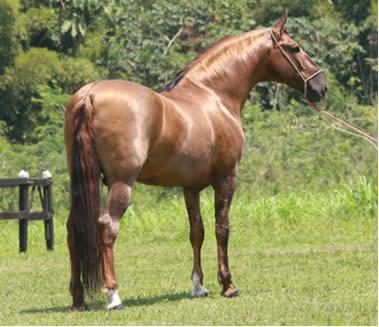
[(356, 131), (305, 79)]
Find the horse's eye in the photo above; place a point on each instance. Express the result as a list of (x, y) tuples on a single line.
[(294, 49)]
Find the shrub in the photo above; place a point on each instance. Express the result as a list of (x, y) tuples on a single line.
[(75, 73), (20, 85)]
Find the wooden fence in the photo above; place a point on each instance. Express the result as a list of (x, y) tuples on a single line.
[(27, 188)]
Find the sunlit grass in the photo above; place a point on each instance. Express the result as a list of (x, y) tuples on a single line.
[(303, 258)]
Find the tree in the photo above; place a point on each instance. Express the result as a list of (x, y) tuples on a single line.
[(20, 88), (8, 42), (75, 18)]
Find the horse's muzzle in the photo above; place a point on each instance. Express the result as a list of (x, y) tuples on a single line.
[(317, 89)]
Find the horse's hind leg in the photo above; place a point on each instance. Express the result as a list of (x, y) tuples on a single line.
[(192, 199), (118, 200)]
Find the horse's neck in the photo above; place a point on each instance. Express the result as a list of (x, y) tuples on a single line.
[(238, 74), (243, 75)]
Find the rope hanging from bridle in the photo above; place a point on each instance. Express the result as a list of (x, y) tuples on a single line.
[(356, 131)]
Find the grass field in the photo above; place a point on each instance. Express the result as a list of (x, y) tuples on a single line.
[(300, 259)]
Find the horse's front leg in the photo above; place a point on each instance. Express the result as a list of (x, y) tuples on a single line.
[(224, 190), (109, 222), (192, 200)]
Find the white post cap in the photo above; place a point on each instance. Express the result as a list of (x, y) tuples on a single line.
[(23, 174), (46, 174)]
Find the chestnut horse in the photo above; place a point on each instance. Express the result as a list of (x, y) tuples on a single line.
[(189, 135)]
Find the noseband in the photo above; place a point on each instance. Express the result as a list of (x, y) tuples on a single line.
[(305, 80)]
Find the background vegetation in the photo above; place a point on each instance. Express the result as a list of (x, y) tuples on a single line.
[(304, 185)]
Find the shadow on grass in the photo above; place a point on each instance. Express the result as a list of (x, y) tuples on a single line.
[(47, 310), (133, 302), (156, 299)]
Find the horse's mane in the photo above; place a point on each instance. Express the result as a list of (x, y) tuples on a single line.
[(202, 54), (215, 55)]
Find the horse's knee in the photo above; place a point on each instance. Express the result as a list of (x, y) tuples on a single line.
[(108, 227)]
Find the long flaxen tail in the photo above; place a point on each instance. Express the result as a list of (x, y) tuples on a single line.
[(85, 195)]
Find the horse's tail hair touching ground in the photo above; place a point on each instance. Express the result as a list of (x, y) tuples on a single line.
[(85, 195)]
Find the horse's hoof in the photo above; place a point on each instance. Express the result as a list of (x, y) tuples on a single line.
[(230, 292), (82, 307), (199, 291), (117, 307)]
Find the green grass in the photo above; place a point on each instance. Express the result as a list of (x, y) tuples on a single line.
[(301, 259)]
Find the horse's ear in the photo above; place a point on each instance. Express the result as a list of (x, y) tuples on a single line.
[(279, 26)]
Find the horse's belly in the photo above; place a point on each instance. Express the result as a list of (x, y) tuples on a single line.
[(176, 171), (174, 180)]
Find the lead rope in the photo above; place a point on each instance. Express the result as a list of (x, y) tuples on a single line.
[(357, 132)]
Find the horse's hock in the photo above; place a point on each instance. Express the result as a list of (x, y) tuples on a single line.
[(27, 188)]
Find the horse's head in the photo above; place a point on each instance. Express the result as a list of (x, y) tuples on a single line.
[(291, 65)]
